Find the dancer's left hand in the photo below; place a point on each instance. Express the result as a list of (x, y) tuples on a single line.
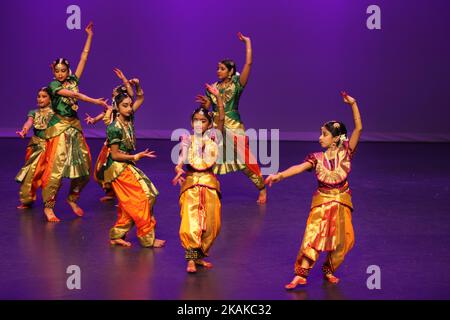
[(119, 74), (242, 37), (90, 29), (347, 99), (89, 119)]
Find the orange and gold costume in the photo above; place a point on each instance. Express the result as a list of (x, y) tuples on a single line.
[(30, 176), (199, 197), (135, 193), (329, 227)]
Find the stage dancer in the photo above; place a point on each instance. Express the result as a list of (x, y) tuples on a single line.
[(231, 85), (200, 190), (67, 154), (30, 175), (135, 193), (329, 226), (106, 116)]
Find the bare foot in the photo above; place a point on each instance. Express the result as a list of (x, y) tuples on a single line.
[(159, 243), (191, 267), (24, 206), (295, 282), (203, 263), (51, 217), (75, 208), (120, 242), (331, 278), (262, 198)]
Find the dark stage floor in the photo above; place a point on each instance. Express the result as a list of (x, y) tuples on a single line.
[(401, 220)]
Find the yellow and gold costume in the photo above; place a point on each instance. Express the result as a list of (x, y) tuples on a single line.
[(199, 197)]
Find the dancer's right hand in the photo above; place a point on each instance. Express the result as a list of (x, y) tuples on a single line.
[(179, 177), (273, 178), (203, 100), (212, 89), (22, 133)]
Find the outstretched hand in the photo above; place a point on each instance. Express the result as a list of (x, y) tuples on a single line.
[(102, 102), (145, 154), (273, 178), (90, 29), (89, 119), (22, 133), (347, 99)]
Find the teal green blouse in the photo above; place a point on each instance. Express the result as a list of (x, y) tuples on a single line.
[(231, 95)]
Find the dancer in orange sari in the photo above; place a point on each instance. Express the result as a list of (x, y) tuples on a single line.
[(106, 116), (200, 190), (135, 193), (329, 227)]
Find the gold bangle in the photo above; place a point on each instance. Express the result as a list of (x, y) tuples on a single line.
[(135, 157), (86, 51), (281, 175)]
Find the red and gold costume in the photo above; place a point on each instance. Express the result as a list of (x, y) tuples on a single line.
[(329, 227)]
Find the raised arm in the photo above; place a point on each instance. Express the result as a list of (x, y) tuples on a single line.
[(356, 134), (26, 127), (292, 171), (220, 106), (248, 59), (139, 94), (125, 81), (86, 49)]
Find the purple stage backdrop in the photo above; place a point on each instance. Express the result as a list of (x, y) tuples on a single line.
[(305, 52)]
